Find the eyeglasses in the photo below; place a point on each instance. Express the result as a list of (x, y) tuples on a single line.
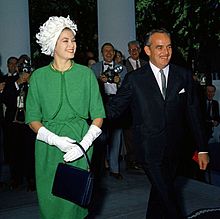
[(133, 50)]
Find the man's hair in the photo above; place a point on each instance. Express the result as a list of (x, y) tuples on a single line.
[(11, 58), (211, 85), (149, 34), (107, 44), (134, 42)]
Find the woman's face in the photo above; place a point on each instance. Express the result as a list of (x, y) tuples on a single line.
[(66, 46), (118, 58)]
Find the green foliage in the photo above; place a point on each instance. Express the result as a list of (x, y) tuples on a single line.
[(191, 22), (84, 13)]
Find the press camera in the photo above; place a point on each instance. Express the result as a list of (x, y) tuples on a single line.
[(111, 73), (25, 66)]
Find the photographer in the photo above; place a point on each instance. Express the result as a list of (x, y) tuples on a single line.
[(110, 77), (19, 138)]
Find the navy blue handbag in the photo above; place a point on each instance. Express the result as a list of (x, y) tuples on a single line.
[(74, 184)]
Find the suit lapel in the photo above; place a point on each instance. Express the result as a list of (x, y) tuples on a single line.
[(153, 83), (170, 82), (173, 81)]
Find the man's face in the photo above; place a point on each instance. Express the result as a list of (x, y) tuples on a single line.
[(108, 53), (134, 51), (12, 66), (159, 50), (210, 91), (25, 76)]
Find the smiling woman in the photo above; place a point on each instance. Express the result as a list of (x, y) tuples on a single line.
[(62, 96)]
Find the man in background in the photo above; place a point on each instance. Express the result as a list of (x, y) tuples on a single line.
[(212, 111), (133, 62)]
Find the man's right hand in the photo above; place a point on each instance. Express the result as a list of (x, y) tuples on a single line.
[(2, 86), (103, 78)]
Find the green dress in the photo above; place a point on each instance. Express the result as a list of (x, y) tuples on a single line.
[(62, 102)]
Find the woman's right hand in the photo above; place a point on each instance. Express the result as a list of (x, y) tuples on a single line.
[(63, 143)]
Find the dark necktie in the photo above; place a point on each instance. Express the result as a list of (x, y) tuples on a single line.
[(108, 64), (163, 82), (137, 64), (209, 109)]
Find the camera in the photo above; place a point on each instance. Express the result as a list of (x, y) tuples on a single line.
[(25, 66), (111, 73)]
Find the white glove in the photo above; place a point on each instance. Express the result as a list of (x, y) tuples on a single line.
[(86, 142), (63, 143)]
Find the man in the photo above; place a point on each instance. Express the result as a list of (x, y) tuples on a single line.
[(8, 78), (162, 100), (12, 74), (212, 111), (132, 63), (19, 139), (109, 83)]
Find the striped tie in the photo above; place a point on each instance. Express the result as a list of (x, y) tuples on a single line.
[(163, 82)]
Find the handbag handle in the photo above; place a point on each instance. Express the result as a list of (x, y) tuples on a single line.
[(85, 154)]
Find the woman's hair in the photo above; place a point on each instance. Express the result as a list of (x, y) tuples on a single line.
[(50, 32)]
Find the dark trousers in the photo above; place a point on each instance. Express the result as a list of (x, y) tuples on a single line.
[(162, 203), (20, 152), (129, 144), (99, 152)]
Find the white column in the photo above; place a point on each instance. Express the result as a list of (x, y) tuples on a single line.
[(14, 30), (116, 23)]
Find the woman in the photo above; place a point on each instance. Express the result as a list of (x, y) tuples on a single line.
[(61, 97), (119, 58)]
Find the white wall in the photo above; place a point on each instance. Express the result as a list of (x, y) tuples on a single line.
[(14, 30), (116, 23)]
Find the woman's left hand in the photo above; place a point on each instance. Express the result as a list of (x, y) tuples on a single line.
[(73, 154)]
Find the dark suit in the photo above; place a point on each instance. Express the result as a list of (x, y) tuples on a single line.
[(19, 138), (127, 127), (211, 116), (159, 129), (129, 66)]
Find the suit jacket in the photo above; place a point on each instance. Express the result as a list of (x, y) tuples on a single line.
[(159, 124), (129, 67), (208, 119), (215, 111), (10, 95)]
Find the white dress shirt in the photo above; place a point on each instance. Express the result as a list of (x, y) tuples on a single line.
[(105, 67), (133, 63), (157, 74)]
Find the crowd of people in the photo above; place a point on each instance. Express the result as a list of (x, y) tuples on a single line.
[(143, 105), (17, 140)]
